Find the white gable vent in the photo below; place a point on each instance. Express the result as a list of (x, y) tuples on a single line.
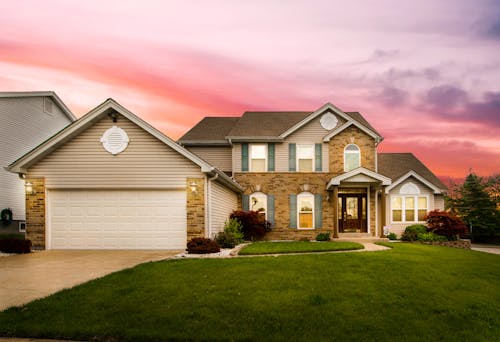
[(409, 189), (328, 121), (115, 140)]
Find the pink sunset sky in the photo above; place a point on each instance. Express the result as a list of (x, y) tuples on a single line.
[(425, 74)]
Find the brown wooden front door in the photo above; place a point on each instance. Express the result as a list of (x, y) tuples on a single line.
[(352, 213)]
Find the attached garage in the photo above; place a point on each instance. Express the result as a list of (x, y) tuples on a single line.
[(112, 181), (116, 219)]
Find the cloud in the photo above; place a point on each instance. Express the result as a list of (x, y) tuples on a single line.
[(392, 96), (446, 96)]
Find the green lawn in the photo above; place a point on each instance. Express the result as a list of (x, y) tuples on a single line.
[(298, 247), (410, 293)]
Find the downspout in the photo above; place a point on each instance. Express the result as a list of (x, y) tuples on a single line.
[(208, 196)]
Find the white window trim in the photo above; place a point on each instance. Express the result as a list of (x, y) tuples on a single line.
[(250, 158), (351, 152), (403, 208), (313, 159), (299, 196), (258, 194)]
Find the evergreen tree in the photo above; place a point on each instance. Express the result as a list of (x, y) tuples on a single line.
[(477, 207)]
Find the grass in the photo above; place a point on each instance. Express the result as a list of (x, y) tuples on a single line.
[(259, 248), (410, 293)]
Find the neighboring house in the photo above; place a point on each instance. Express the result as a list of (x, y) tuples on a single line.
[(26, 119), (111, 181), (312, 172)]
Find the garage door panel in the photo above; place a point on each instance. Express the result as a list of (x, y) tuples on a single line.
[(97, 219)]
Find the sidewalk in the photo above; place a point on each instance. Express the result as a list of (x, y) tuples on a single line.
[(494, 249)]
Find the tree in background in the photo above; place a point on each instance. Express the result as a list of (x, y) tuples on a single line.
[(476, 202)]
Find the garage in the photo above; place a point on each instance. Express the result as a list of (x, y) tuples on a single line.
[(116, 219)]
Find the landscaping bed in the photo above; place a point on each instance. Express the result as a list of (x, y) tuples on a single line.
[(283, 247)]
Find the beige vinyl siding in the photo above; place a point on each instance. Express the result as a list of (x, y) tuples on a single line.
[(222, 203), (146, 163), (399, 228), (439, 202), (23, 126), (218, 156)]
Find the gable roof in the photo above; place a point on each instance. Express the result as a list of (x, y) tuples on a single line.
[(51, 94), (359, 171), (269, 126), (398, 166), (210, 130), (108, 107)]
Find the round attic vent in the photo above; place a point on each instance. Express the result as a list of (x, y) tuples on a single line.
[(328, 121), (115, 140)]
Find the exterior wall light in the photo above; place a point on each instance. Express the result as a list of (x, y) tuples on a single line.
[(28, 186), (193, 186)]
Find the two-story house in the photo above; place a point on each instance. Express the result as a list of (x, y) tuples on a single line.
[(112, 181), (26, 119), (312, 172)]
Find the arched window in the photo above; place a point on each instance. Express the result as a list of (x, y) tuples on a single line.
[(305, 210), (352, 157), (258, 202)]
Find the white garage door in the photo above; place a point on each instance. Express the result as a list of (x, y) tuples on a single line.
[(117, 219)]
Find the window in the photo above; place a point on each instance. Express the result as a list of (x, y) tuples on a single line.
[(258, 160), (305, 158), (258, 202), (352, 157), (305, 211), (409, 208)]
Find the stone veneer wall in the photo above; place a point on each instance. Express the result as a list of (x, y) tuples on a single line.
[(35, 213), (281, 185), (351, 135), (195, 208), (463, 244)]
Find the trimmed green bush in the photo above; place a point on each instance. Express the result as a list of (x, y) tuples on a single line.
[(234, 227), (392, 236), (429, 237), (323, 237), (226, 239), (254, 224), (411, 232)]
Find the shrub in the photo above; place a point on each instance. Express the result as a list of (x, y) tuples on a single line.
[(430, 236), (323, 237), (234, 227), (226, 239), (14, 245), (254, 224), (445, 224), (392, 236), (202, 246), (411, 232)]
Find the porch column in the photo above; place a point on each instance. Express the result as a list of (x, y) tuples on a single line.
[(383, 214), (335, 211)]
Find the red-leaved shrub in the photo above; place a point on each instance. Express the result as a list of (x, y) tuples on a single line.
[(202, 246), (254, 224), (445, 224), (13, 245)]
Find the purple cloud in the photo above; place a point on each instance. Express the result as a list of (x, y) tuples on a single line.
[(446, 96)]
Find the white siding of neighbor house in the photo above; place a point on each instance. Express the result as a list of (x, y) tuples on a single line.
[(218, 156), (146, 163), (23, 125), (434, 202), (310, 133), (222, 203)]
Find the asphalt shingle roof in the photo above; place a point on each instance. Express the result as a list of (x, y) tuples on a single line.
[(210, 129), (396, 165)]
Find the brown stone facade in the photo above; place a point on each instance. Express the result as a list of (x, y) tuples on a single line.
[(195, 207), (281, 185), (351, 135), (35, 213)]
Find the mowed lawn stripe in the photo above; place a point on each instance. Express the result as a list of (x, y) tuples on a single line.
[(411, 292)]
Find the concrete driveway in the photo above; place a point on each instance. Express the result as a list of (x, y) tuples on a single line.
[(26, 277)]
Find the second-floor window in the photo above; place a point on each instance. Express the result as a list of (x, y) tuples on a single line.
[(305, 158), (258, 157), (352, 157)]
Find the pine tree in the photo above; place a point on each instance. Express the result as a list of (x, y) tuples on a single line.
[(477, 207)]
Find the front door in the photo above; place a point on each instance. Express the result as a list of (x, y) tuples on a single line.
[(352, 213)]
